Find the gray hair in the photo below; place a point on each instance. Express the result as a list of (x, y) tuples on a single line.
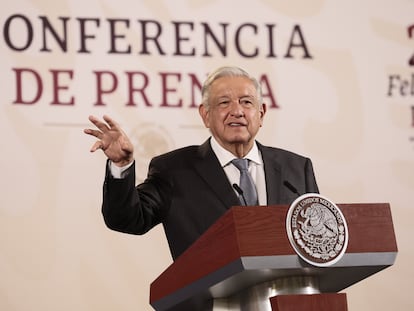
[(227, 72)]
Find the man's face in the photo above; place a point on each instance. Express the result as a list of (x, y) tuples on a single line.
[(234, 115)]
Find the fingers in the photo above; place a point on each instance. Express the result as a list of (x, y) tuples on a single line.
[(97, 145), (96, 133), (102, 126), (99, 124), (112, 124), (109, 134)]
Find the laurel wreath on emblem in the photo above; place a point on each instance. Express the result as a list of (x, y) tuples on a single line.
[(317, 229)]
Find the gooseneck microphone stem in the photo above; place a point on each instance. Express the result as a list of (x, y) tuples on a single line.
[(291, 188), (240, 192)]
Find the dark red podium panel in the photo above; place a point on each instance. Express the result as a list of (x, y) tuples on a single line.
[(319, 302)]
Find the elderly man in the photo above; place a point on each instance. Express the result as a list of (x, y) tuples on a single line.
[(190, 188)]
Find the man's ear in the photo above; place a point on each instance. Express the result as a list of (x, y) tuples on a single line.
[(262, 112), (203, 111)]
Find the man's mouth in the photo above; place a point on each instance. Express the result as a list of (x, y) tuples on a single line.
[(236, 124)]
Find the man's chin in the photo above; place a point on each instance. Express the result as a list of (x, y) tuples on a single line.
[(239, 140)]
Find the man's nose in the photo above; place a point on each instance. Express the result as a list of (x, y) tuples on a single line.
[(236, 108)]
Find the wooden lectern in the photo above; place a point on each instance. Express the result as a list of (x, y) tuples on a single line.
[(245, 258)]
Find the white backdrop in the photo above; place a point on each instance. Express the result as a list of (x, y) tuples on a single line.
[(348, 106)]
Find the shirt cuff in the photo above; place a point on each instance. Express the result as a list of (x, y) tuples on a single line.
[(119, 171)]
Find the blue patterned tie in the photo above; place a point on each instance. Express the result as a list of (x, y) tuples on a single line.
[(246, 181)]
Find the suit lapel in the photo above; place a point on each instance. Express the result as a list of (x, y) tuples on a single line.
[(272, 175), (209, 169)]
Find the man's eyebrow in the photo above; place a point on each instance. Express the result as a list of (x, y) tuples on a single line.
[(252, 97), (226, 97), (222, 97)]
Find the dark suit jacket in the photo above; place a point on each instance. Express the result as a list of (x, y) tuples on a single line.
[(187, 190)]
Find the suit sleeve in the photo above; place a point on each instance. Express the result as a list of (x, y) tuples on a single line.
[(135, 209)]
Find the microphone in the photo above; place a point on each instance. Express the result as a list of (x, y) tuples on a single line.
[(240, 192), (291, 188)]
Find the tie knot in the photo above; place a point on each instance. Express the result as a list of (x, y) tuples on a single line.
[(241, 164)]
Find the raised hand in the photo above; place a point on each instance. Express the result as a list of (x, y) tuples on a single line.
[(112, 140)]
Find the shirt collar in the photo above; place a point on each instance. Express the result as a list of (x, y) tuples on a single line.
[(224, 156)]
